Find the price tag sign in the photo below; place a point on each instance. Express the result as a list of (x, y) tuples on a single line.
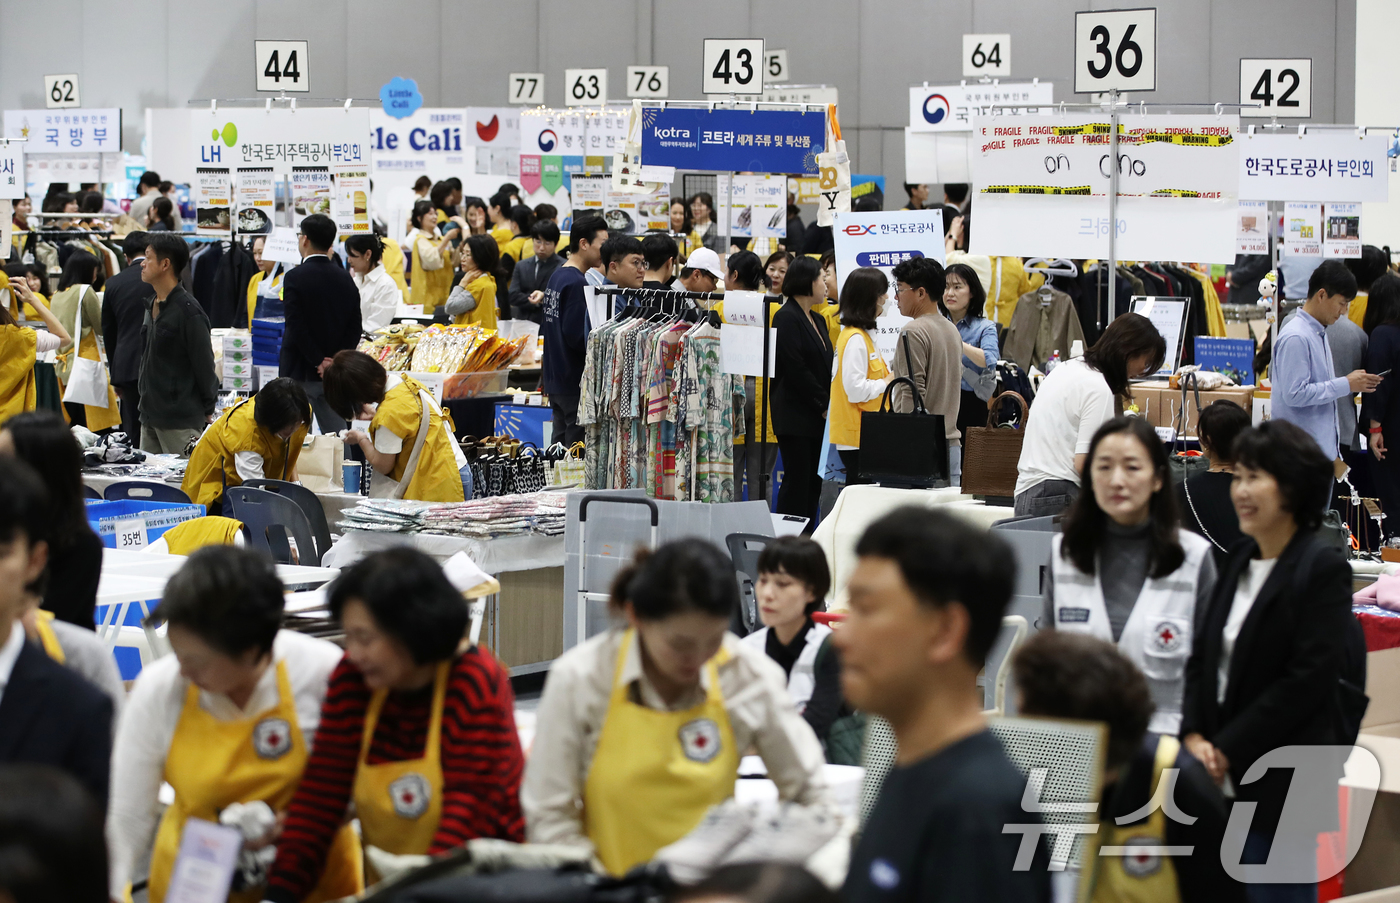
[(585, 87), (526, 87), (282, 66), (775, 65), (649, 81), (1115, 49), (732, 66), (130, 534), (1280, 88), (61, 91), (986, 54)]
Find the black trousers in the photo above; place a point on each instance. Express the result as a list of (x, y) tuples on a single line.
[(801, 489), (972, 411), (131, 411), (851, 458), (566, 426)]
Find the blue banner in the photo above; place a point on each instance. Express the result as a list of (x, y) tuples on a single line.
[(764, 141), (1233, 357)]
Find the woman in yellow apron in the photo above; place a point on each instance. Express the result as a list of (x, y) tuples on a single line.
[(432, 258), (75, 287), (473, 300), (266, 284), (255, 439), (20, 347), (418, 729), (640, 729), (227, 719), (412, 458), (861, 374)]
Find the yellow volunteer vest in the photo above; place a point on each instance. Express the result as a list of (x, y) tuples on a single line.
[(188, 537), (213, 764), (43, 625), (655, 774), (760, 387), (503, 236), (1137, 877), (483, 289), (830, 311), (399, 804), (430, 287), (516, 247), (393, 264), (845, 416), (65, 306), (212, 464), (1356, 308), (436, 478), (18, 349), (253, 285)]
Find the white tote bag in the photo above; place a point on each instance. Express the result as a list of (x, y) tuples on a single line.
[(87, 381)]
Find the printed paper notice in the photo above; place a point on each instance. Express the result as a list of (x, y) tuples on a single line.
[(256, 200), (204, 866), (1341, 230), (741, 349), (213, 202), (352, 200), (1302, 230), (1252, 228), (311, 192)]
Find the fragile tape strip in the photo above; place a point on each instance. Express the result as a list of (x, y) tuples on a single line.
[(1036, 189)]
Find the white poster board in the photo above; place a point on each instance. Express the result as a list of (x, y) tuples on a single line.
[(72, 131), (1341, 230), (883, 240), (11, 170), (1317, 166), (1045, 181), (950, 108), (280, 138), (1169, 316), (213, 202)]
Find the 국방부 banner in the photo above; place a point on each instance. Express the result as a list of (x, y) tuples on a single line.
[(70, 131), (1042, 186), (762, 141)]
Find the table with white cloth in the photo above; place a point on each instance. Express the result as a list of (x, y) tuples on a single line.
[(524, 622)]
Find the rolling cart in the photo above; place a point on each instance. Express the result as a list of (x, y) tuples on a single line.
[(584, 594)]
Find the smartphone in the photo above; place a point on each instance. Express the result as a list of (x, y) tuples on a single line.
[(1383, 373)]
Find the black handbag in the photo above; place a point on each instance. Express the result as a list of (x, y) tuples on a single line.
[(1182, 465), (906, 451), (529, 468)]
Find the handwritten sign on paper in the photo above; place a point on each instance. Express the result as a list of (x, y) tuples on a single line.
[(741, 348)]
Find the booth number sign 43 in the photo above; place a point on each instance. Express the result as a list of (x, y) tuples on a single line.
[(733, 66)]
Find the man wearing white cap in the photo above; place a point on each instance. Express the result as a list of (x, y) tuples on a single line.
[(703, 271)]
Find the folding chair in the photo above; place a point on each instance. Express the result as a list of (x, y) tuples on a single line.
[(272, 520), (144, 491), (309, 504)]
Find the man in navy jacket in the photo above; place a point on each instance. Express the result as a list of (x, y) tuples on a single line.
[(323, 316)]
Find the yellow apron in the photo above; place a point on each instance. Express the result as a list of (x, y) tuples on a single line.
[(430, 287), (844, 415), (436, 479), (213, 764), (503, 236), (830, 311), (1136, 878), (18, 350), (655, 774), (516, 248), (399, 804), (483, 289), (393, 264), (188, 537), (213, 464), (256, 283), (43, 625), (97, 418)]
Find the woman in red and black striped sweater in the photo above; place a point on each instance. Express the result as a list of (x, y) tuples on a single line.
[(420, 736)]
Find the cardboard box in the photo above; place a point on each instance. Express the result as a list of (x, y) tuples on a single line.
[(238, 384), (238, 368), (238, 342), (1160, 404), (237, 354)]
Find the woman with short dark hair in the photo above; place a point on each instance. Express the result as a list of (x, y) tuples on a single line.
[(861, 373), (418, 728), (801, 389), (964, 300), (473, 299), (1279, 658), (704, 231), (380, 295), (743, 272), (431, 257), (641, 727), (76, 287), (1204, 499), (228, 718), (1123, 570), (411, 459), (258, 438), (1070, 405)]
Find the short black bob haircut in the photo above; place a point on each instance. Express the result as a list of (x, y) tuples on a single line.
[(1085, 524), (679, 577), (1080, 677), (860, 297), (977, 304), (1301, 469), (1127, 337), (24, 502), (51, 837), (422, 208), (280, 404), (803, 277), (229, 597), (353, 380), (945, 561), (410, 598), (747, 269), (800, 558), (1220, 424), (545, 230)]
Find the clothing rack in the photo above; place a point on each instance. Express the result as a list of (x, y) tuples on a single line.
[(664, 294)]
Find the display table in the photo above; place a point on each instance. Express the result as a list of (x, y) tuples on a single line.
[(331, 502), (859, 506), (494, 556)]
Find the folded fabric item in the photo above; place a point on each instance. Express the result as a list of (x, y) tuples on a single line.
[(1385, 593)]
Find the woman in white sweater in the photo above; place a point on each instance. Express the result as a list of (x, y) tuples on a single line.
[(227, 719)]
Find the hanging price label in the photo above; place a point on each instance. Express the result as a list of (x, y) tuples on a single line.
[(1115, 49), (585, 87), (130, 534)]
